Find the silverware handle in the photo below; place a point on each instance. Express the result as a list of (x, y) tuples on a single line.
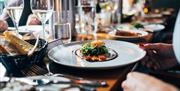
[(85, 82), (91, 83)]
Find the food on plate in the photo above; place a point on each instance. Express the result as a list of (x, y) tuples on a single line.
[(94, 51), (3, 50), (126, 33), (138, 25), (22, 46)]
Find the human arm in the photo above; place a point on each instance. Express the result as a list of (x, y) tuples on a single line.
[(3, 25), (159, 56), (33, 20), (141, 82)]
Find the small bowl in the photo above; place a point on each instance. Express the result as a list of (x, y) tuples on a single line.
[(19, 62)]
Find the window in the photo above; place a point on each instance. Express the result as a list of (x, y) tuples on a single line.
[(1, 6)]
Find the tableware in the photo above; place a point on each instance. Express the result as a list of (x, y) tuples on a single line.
[(78, 80), (27, 29), (2, 71), (154, 27), (35, 30), (30, 53), (86, 17), (47, 80), (42, 81), (63, 32), (127, 53), (75, 79), (14, 10), (14, 63), (134, 67), (140, 33), (62, 24), (38, 83), (43, 9)]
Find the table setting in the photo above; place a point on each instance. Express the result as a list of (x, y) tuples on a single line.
[(51, 57)]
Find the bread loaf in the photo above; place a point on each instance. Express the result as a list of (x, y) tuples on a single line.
[(22, 46), (3, 50)]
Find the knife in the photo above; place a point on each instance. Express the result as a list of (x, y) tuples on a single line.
[(44, 82)]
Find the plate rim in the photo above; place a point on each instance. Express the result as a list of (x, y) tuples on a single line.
[(155, 30), (129, 37), (108, 67)]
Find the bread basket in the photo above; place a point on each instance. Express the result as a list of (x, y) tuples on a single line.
[(20, 62)]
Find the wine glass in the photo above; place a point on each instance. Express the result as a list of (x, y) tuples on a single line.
[(49, 73), (43, 9), (14, 9)]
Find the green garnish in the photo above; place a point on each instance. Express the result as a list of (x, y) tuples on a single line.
[(88, 49)]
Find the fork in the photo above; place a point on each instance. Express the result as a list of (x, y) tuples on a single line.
[(74, 79), (30, 53), (38, 69)]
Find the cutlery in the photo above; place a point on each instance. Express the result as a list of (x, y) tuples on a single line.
[(45, 82), (134, 67), (81, 87), (80, 81), (77, 80), (30, 53)]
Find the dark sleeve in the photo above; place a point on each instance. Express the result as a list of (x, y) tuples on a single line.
[(10, 22), (26, 12)]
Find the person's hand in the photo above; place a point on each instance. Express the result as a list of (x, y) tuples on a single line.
[(3, 25), (159, 56), (33, 20), (141, 82)]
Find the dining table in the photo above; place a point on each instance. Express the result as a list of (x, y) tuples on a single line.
[(112, 76)]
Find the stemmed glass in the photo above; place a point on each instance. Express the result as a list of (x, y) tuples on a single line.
[(43, 9), (14, 9), (49, 73)]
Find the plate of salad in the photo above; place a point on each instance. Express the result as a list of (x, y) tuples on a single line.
[(96, 54)]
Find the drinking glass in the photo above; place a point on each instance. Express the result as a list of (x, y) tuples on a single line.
[(14, 9), (113, 8), (63, 32), (43, 9), (87, 13)]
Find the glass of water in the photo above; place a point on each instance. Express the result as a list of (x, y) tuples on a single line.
[(63, 32), (87, 13)]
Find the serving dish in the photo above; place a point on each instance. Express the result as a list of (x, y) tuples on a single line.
[(154, 27), (15, 63), (127, 53)]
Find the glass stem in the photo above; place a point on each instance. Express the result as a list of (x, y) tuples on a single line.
[(44, 31), (95, 31), (16, 26)]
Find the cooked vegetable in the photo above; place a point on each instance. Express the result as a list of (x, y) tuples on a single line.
[(138, 25), (95, 50)]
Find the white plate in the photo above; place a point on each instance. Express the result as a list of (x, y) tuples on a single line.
[(35, 29), (127, 53), (25, 29), (140, 32), (154, 27)]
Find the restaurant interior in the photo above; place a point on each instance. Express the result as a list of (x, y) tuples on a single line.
[(89, 45)]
